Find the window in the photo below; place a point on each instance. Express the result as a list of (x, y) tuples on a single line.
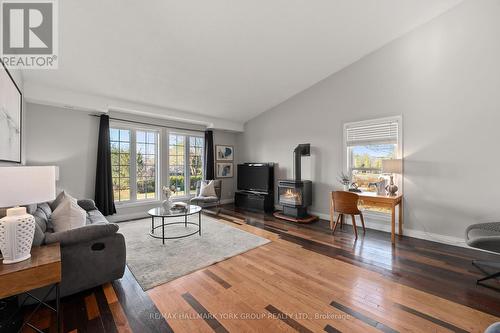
[(120, 163), (176, 165), (367, 143), (185, 162), (146, 153), (134, 161), (195, 162)]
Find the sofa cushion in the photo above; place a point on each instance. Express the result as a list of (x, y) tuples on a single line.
[(205, 199), (39, 235), (42, 216), (87, 204), (96, 217), (68, 215), (82, 234)]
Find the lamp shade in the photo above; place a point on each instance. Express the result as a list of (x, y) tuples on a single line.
[(392, 166), (27, 185)]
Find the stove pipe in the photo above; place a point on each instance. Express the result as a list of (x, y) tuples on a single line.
[(304, 149)]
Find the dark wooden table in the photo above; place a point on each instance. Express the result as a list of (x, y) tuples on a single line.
[(41, 270)]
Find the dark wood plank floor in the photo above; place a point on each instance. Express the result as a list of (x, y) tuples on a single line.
[(443, 270), (436, 269)]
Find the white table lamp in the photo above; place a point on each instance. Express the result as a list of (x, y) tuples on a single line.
[(391, 167), (22, 186)]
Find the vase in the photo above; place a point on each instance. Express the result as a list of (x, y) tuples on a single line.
[(17, 230), (346, 187), (167, 204)]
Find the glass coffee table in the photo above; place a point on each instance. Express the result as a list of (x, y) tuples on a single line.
[(166, 213)]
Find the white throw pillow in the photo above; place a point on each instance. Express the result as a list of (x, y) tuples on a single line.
[(207, 190), (68, 215)]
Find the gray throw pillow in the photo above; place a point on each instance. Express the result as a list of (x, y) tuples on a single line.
[(42, 223), (60, 197)]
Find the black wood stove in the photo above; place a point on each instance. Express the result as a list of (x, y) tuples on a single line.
[(296, 195)]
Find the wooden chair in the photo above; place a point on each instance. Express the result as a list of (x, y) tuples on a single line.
[(345, 203)]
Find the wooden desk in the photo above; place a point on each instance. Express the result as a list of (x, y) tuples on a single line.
[(41, 270), (385, 201)]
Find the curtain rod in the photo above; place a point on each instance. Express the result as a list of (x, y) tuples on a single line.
[(143, 123)]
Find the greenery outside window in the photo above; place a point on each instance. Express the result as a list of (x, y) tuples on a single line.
[(367, 143), (185, 162), (134, 181), (120, 163)]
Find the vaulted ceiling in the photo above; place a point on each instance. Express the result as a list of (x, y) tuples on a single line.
[(230, 59)]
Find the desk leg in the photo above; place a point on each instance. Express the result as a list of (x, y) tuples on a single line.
[(393, 224), (400, 223), (331, 214), (58, 309)]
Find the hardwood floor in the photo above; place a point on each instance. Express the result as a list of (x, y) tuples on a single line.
[(305, 280)]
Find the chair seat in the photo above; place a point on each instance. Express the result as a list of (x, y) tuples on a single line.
[(204, 199), (476, 233), (483, 230)]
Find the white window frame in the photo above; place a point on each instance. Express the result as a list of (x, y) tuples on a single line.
[(347, 158), (133, 162), (347, 162), (187, 135)]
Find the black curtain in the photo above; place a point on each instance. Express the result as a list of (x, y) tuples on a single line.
[(103, 182), (209, 155)]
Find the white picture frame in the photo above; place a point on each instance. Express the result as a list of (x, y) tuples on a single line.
[(224, 170), (224, 153)]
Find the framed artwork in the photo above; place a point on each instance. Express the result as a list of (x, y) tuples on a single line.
[(10, 117), (224, 153), (224, 170)]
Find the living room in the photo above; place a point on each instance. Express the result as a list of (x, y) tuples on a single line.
[(226, 166)]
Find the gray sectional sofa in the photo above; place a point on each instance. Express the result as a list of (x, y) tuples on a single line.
[(91, 255)]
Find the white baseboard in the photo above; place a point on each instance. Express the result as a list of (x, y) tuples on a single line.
[(143, 214), (381, 222)]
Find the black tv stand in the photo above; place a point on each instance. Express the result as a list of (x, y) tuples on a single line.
[(255, 201), (257, 195)]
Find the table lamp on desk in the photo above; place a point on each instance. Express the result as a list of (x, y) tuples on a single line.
[(22, 186), (391, 167)]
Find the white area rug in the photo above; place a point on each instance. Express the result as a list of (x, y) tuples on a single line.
[(153, 263)]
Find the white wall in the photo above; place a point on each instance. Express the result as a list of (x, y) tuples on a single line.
[(228, 184), (68, 139), (444, 79)]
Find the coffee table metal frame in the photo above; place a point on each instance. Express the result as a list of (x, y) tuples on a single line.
[(186, 213)]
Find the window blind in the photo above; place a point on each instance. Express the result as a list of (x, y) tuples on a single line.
[(372, 133)]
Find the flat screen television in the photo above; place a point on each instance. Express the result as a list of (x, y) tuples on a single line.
[(254, 177)]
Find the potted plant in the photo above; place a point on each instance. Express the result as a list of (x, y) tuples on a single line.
[(345, 180)]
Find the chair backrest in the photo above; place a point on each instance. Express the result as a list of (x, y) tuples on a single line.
[(217, 186), (345, 202)]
